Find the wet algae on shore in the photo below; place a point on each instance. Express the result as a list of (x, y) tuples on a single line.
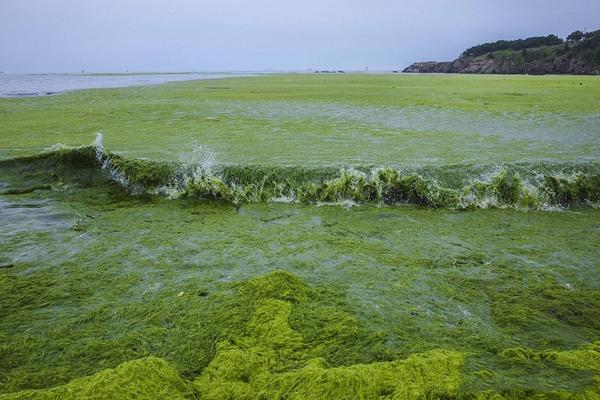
[(146, 265)]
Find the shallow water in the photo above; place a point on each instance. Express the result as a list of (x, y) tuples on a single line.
[(27, 85)]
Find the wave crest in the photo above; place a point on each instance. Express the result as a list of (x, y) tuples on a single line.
[(532, 186)]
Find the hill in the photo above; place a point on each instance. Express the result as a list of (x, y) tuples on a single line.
[(578, 54)]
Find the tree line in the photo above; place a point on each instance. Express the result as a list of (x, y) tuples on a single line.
[(579, 39)]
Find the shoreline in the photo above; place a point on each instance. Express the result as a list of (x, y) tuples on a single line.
[(72, 85)]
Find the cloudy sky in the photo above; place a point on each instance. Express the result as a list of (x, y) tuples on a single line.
[(217, 35)]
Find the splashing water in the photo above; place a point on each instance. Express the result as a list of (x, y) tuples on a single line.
[(104, 159), (201, 160), (197, 167), (54, 147)]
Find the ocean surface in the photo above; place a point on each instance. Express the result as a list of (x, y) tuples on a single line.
[(24, 85)]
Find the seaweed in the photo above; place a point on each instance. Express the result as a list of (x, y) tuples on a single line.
[(146, 378), (520, 186), (275, 337), (272, 362)]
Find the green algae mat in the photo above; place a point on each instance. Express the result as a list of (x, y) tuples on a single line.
[(303, 237)]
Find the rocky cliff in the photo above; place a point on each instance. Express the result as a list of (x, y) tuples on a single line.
[(485, 65)]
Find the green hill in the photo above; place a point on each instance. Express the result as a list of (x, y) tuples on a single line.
[(578, 54)]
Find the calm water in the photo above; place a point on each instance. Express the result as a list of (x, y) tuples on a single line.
[(23, 85)]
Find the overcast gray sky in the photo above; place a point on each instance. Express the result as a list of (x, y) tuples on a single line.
[(187, 35)]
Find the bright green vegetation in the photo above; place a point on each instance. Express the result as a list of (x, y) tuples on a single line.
[(321, 120), (182, 278), (144, 378)]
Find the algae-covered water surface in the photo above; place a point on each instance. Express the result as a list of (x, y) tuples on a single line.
[(299, 236)]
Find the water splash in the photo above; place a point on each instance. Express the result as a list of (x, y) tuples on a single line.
[(104, 160), (55, 147), (500, 188), (196, 168)]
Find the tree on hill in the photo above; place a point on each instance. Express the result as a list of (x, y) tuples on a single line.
[(591, 35), (575, 36), (588, 49), (519, 44)]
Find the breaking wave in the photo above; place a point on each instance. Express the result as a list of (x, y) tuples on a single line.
[(526, 186)]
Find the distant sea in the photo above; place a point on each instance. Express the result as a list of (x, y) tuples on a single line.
[(25, 85)]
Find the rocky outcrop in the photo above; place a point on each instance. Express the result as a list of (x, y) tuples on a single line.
[(490, 65), (430, 67)]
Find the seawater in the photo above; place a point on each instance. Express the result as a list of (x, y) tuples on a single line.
[(27, 85)]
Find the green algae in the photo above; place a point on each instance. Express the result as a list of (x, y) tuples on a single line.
[(586, 357), (323, 120), (258, 359), (142, 269), (435, 374), (263, 356), (575, 307), (147, 378), (275, 335), (520, 186), (415, 291), (273, 361)]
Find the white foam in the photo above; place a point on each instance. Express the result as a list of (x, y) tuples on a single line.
[(195, 166), (106, 164)]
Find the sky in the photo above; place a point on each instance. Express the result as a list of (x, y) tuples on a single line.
[(40, 36)]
